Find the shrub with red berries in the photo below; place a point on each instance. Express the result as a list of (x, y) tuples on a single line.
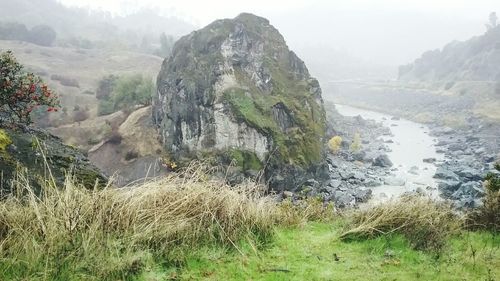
[(21, 92)]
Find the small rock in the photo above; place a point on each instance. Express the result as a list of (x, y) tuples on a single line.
[(429, 160), (469, 173), (343, 199), (335, 183), (363, 195), (346, 175), (382, 161), (393, 181), (389, 253), (443, 173)]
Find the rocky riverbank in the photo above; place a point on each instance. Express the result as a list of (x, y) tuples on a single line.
[(353, 172), (469, 154), (455, 171)]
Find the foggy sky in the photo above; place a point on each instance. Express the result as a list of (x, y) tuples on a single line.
[(386, 32)]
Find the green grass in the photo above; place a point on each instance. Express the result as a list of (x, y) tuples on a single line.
[(307, 253)]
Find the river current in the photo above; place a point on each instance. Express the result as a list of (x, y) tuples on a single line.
[(411, 144)]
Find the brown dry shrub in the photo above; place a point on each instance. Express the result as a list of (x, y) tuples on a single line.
[(424, 222), (487, 216)]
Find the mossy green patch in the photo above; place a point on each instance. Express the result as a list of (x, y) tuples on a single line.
[(248, 160), (4, 140), (248, 111), (301, 144)]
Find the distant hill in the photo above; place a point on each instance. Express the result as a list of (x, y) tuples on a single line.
[(75, 21), (477, 59)]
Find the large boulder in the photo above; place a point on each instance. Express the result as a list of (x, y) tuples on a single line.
[(40, 157), (234, 89)]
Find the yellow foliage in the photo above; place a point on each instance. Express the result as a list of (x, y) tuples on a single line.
[(334, 144), (356, 143), (4, 140)]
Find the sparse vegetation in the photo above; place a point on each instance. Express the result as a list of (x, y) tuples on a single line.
[(122, 93), (115, 138), (488, 215), (356, 143), (335, 143), (245, 159), (131, 155), (80, 114), (42, 35), (65, 81), (166, 45)]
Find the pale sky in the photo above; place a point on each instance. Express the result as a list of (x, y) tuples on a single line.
[(382, 31)]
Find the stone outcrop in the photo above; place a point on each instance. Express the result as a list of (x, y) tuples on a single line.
[(234, 88), (40, 156)]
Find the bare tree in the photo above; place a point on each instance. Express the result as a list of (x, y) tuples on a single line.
[(492, 21)]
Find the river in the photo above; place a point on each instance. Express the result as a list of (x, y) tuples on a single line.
[(411, 144)]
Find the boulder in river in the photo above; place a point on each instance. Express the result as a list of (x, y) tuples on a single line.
[(429, 160)]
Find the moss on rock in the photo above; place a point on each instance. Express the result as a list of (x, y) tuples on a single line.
[(237, 74), (41, 155)]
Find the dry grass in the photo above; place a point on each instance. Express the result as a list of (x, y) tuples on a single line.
[(113, 232), (425, 223)]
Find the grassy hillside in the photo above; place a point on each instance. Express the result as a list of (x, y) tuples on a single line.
[(473, 60), (86, 67)]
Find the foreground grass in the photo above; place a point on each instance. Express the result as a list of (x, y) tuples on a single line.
[(308, 253), (189, 226), (71, 233)]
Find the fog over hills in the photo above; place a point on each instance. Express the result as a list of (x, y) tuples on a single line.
[(72, 21), (249, 140)]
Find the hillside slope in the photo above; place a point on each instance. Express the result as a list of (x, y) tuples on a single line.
[(86, 67), (476, 59)]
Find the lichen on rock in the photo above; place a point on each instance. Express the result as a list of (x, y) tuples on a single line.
[(235, 86)]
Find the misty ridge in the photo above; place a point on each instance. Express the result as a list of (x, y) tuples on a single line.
[(310, 142), (86, 28)]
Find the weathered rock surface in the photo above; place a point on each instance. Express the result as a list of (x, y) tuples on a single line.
[(234, 88), (36, 152)]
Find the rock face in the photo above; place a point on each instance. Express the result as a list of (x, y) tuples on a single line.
[(20, 149), (234, 88)]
